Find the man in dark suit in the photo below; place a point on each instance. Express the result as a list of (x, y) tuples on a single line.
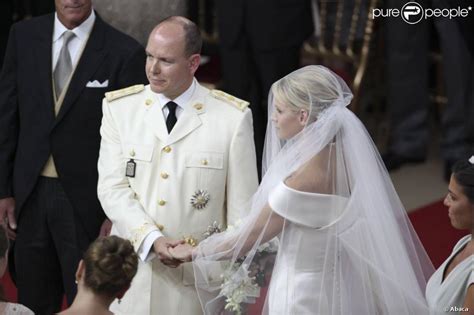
[(407, 49), (260, 42), (56, 71)]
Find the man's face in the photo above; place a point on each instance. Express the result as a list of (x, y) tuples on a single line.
[(168, 69), (73, 12)]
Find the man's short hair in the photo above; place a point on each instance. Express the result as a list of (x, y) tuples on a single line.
[(192, 34)]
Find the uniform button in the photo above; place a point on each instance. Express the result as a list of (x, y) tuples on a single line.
[(161, 202), (132, 152), (167, 149), (148, 102), (198, 106), (204, 162), (164, 175)]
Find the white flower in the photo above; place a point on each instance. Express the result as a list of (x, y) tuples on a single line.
[(471, 160), (270, 246), (238, 289)]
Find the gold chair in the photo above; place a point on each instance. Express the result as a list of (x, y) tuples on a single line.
[(337, 42)]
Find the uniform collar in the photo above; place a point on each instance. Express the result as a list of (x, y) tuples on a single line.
[(182, 100)]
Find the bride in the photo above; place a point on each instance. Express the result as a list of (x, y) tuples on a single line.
[(344, 242)]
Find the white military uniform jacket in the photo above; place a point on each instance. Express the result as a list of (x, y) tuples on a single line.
[(209, 153)]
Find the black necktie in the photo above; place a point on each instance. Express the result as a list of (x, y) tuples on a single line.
[(171, 119)]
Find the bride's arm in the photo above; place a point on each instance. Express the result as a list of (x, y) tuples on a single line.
[(268, 221)]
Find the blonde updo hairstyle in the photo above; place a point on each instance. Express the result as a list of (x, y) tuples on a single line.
[(311, 88), (110, 264)]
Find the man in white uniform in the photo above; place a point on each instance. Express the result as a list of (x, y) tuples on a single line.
[(176, 161)]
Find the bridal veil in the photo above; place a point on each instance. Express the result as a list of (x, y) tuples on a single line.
[(338, 243)]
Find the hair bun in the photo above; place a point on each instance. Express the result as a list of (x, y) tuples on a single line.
[(110, 265)]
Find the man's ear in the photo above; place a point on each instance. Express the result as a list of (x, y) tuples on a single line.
[(194, 62), (303, 116)]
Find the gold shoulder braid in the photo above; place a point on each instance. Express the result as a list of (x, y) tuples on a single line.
[(223, 96), (113, 95)]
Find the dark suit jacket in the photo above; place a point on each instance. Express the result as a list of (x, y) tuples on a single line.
[(269, 24), (29, 131)]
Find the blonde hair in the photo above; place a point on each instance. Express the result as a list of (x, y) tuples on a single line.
[(311, 88), (110, 265)]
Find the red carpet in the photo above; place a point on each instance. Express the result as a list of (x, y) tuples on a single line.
[(431, 223), (8, 287)]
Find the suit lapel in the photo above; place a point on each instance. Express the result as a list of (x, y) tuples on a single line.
[(90, 60), (43, 51), (154, 117), (188, 121)]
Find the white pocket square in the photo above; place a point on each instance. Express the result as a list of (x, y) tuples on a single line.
[(97, 84)]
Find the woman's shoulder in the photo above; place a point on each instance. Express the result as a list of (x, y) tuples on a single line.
[(462, 242), (307, 182), (315, 210), (299, 192)]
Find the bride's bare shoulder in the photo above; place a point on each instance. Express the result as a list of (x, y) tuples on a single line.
[(311, 177)]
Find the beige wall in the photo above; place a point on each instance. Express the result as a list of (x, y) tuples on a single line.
[(138, 17)]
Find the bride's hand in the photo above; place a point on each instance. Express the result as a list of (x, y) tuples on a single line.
[(183, 252)]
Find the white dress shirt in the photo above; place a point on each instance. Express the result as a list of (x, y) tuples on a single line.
[(181, 101)]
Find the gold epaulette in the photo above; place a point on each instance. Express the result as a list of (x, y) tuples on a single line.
[(113, 95), (237, 102)]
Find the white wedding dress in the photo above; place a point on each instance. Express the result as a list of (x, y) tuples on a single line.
[(346, 247), (297, 283)]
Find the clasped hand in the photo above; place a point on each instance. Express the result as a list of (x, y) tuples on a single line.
[(172, 253)]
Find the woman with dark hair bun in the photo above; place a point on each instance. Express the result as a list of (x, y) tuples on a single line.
[(7, 308), (104, 274), (451, 288)]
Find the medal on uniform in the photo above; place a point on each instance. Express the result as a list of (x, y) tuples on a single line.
[(130, 169), (200, 199), (212, 229)]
